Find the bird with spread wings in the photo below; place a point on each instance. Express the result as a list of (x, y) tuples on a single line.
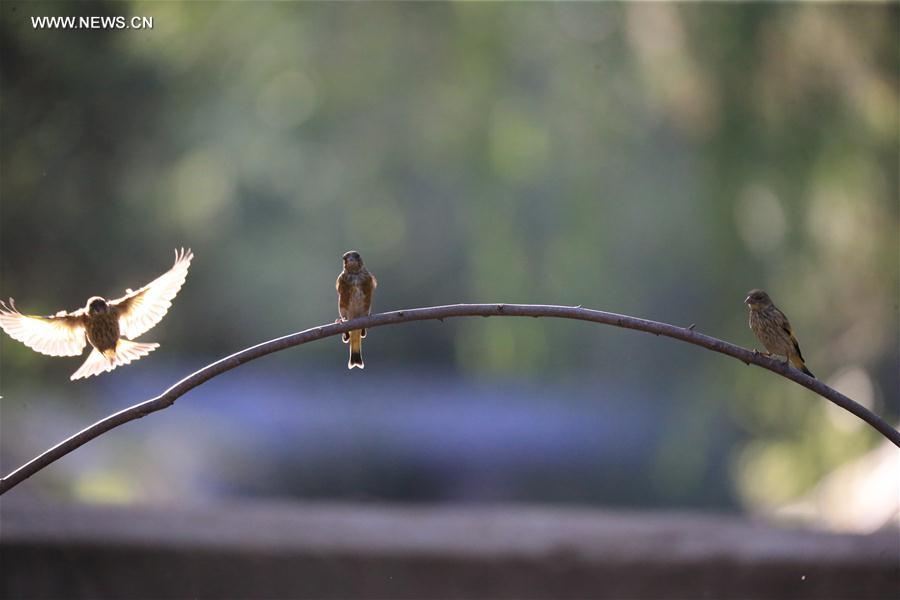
[(109, 325)]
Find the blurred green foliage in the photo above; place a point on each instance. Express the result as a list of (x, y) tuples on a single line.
[(652, 159)]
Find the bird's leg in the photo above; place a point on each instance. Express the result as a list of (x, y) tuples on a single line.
[(345, 337)]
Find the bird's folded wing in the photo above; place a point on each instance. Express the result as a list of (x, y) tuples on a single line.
[(140, 310), (59, 335), (786, 327)]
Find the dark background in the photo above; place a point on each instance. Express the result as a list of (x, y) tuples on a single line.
[(656, 160)]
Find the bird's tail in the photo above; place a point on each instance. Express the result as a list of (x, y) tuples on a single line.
[(100, 362), (798, 362), (356, 350)]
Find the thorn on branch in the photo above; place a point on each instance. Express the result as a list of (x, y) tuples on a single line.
[(691, 326)]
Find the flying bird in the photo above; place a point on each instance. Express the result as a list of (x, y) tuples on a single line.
[(354, 287), (104, 323), (773, 329)]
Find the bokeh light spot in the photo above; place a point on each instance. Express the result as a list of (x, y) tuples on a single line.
[(287, 100), (760, 220)]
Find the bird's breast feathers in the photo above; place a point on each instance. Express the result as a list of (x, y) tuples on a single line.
[(355, 290), (103, 330)]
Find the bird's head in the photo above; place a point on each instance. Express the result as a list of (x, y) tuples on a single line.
[(352, 261), (97, 306), (757, 299)]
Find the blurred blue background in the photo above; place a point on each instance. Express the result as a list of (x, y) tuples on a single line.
[(657, 160)]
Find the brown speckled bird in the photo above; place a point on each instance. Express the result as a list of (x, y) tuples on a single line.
[(773, 329), (354, 287), (101, 322)]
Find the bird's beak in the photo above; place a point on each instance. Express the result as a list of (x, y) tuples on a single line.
[(747, 300)]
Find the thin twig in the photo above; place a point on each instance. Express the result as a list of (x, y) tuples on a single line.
[(685, 334)]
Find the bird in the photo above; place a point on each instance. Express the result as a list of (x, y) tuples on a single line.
[(104, 323), (355, 286), (774, 330)]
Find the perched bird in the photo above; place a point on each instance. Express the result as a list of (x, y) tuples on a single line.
[(773, 329), (101, 322), (354, 287)]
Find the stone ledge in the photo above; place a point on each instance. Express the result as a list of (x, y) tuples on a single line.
[(339, 550)]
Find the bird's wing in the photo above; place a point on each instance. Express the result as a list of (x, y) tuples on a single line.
[(786, 326), (59, 335), (367, 291), (140, 310), (343, 290), (797, 347)]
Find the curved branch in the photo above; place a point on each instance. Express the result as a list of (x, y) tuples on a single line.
[(685, 334)]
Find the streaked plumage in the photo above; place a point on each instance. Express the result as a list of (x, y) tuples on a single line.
[(773, 329), (355, 286), (105, 324)]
